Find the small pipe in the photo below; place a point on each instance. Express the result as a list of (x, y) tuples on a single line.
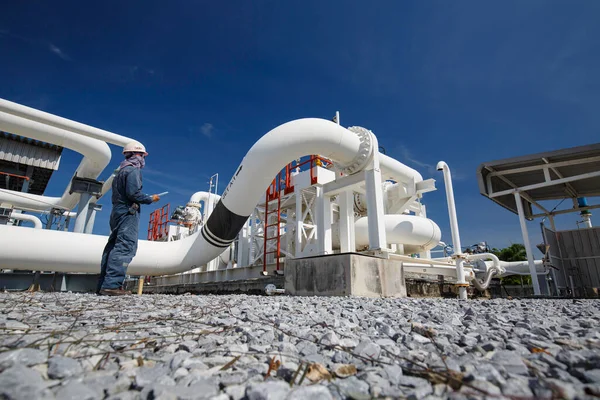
[(482, 285), (37, 224), (497, 264), (442, 166)]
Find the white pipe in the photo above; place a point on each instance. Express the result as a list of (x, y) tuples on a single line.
[(63, 123), (37, 224), (534, 279), (495, 263), (96, 156), (74, 252), (400, 229), (494, 267), (209, 199), (518, 267), (433, 269), (199, 197), (442, 166), (392, 169)]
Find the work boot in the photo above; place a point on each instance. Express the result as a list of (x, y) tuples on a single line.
[(114, 292)]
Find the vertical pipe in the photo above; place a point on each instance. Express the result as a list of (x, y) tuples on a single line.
[(572, 285), (347, 239), (551, 219), (91, 219), (140, 286), (252, 234), (460, 273), (423, 213), (323, 211), (28, 174), (50, 220), (377, 235), (532, 269), (299, 221), (585, 214), (82, 214)]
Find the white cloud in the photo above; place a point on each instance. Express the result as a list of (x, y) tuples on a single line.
[(407, 157), (59, 52), (207, 129)]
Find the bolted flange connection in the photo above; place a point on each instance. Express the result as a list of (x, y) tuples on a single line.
[(365, 152)]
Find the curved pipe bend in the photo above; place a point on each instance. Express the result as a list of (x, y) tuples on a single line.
[(37, 223), (495, 268), (96, 156), (482, 285)]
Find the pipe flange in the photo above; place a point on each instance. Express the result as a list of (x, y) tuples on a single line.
[(365, 152), (193, 204)]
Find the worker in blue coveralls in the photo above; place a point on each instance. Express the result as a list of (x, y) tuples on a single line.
[(127, 196)]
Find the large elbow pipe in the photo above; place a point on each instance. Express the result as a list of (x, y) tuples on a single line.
[(263, 161), (96, 156)]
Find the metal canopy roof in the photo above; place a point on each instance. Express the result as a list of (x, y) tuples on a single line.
[(21, 156), (22, 150), (555, 175)]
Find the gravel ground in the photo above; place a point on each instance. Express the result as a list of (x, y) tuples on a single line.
[(80, 346)]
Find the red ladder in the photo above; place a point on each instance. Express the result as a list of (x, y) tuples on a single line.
[(158, 226), (273, 193)]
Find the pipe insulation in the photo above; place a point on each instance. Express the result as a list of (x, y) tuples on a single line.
[(96, 156), (74, 252), (62, 123)]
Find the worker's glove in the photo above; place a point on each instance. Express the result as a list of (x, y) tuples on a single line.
[(155, 198)]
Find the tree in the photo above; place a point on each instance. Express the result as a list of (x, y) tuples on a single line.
[(515, 252)]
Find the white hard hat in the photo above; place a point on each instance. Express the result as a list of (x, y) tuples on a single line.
[(134, 147)]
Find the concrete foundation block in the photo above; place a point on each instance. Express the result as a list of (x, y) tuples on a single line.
[(345, 274)]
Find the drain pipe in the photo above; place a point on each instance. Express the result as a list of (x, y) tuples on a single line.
[(496, 268), (37, 224), (460, 274)]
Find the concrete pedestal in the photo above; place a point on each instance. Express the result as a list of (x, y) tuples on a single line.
[(344, 275)]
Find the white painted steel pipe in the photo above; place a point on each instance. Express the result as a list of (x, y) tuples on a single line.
[(442, 166), (434, 269), (400, 229), (37, 224), (495, 263), (519, 267), (199, 197), (392, 169), (534, 279), (62, 123), (96, 156), (209, 199), (73, 252)]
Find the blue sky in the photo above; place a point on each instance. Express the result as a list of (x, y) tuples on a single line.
[(199, 82)]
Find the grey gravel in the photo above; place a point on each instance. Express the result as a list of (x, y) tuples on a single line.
[(69, 345), (26, 357), (78, 391), (60, 367)]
